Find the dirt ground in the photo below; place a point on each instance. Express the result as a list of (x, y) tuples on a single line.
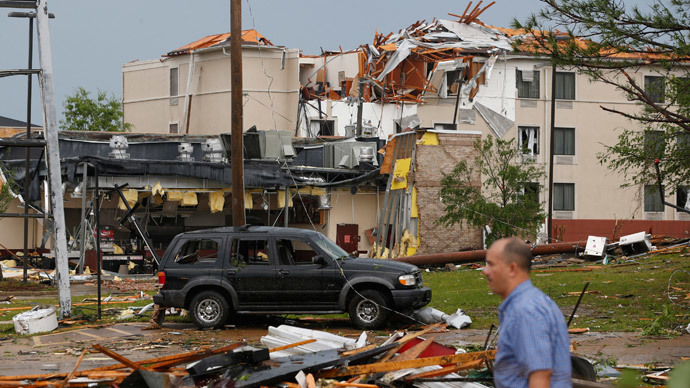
[(58, 351)]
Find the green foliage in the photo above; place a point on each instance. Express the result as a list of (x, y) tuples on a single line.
[(661, 324), (5, 194), (102, 114), (609, 42), (680, 376), (502, 200)]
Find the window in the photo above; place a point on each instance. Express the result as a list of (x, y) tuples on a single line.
[(446, 126), (565, 86), (322, 127), (198, 251), (654, 143), (453, 81), (174, 128), (655, 87), (564, 141), (251, 252), (564, 196), (683, 197), (173, 82), (531, 191), (527, 83), (683, 142), (528, 140), (652, 199), (295, 252)]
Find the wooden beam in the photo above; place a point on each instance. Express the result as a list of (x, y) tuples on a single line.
[(446, 371), (117, 357), (291, 345), (69, 376), (415, 351), (416, 363)]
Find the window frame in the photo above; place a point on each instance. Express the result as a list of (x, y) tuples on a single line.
[(563, 185), (521, 141), (652, 198), (529, 87), (561, 78), (562, 150)]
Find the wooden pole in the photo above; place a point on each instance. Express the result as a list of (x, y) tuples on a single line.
[(237, 160)]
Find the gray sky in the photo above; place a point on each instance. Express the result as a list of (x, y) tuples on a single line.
[(91, 39)]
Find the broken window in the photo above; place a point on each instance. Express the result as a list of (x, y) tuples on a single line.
[(173, 85), (531, 191), (251, 252), (683, 197), (174, 128), (564, 141), (563, 196), (528, 83), (453, 81), (654, 143), (198, 251), (655, 87), (295, 252), (565, 86), (446, 126), (528, 140), (652, 199), (322, 127)]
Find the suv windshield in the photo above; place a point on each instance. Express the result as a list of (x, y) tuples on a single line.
[(330, 247)]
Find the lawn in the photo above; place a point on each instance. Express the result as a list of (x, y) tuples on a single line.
[(630, 296)]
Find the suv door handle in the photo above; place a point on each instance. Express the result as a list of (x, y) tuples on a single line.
[(231, 272), (283, 272)]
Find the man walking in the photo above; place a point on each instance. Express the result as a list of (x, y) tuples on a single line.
[(533, 344)]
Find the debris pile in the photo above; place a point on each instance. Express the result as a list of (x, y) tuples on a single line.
[(314, 359)]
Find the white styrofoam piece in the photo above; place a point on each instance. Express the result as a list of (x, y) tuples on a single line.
[(36, 320)]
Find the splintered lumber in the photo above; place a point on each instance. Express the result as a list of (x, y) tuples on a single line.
[(446, 371), (416, 363), (356, 385), (118, 357), (415, 351), (288, 346), (358, 350), (408, 337), (69, 376)]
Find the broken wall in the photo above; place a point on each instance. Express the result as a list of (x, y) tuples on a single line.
[(432, 161)]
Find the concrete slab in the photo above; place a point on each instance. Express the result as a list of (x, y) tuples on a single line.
[(91, 334)]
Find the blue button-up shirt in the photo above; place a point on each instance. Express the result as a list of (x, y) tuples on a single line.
[(533, 336)]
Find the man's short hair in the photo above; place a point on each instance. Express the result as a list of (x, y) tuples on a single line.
[(515, 250)]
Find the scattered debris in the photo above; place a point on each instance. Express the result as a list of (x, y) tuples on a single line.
[(431, 315)]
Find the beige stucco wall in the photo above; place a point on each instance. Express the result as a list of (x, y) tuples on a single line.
[(270, 91), (12, 229)]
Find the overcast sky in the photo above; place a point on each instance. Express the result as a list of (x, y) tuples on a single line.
[(91, 39)]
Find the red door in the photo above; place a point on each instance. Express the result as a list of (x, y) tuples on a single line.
[(347, 236)]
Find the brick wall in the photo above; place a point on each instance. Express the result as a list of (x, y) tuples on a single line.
[(432, 162)]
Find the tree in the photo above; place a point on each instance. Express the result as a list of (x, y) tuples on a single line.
[(83, 113), (609, 42), (508, 197)]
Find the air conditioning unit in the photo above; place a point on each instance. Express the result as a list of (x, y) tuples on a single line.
[(348, 154), (269, 144)]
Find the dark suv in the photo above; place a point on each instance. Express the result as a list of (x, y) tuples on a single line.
[(270, 270)]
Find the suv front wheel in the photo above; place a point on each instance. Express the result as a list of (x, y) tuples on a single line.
[(369, 309), (209, 310)]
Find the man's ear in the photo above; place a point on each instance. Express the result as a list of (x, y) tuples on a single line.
[(513, 269)]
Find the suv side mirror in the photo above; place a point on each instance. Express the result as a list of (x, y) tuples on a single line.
[(320, 260)]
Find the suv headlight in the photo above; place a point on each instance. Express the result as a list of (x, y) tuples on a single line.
[(407, 280)]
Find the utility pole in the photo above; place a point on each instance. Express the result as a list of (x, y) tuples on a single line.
[(236, 153), (53, 158), (360, 105)]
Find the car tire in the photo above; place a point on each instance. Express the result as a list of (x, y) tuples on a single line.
[(209, 310), (368, 309)]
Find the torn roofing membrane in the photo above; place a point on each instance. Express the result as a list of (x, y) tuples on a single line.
[(248, 36)]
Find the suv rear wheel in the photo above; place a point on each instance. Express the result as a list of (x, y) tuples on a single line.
[(368, 309), (209, 310)]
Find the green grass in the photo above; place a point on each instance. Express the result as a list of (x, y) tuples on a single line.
[(622, 298)]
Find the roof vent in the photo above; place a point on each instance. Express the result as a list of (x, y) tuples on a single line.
[(185, 152), (118, 147)]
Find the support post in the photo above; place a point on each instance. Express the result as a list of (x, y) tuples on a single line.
[(287, 206), (84, 222), (53, 159), (27, 165), (237, 155), (360, 106), (549, 223)]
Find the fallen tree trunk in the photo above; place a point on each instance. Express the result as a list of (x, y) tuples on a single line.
[(480, 255)]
